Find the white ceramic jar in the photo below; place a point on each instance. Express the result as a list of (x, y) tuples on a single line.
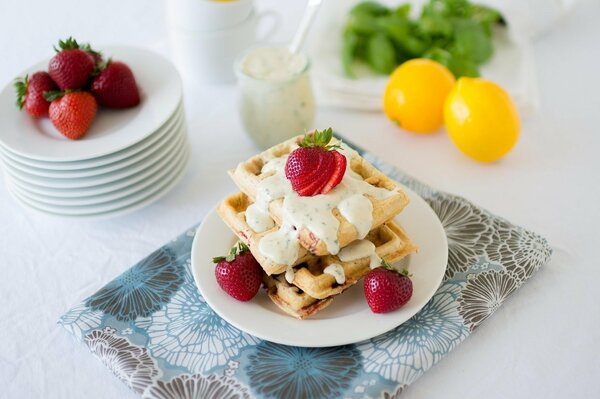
[(276, 99)]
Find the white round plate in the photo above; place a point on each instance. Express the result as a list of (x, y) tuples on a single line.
[(112, 130), (348, 319), (110, 209), (92, 181), (103, 160), (156, 178), (113, 162), (95, 190)]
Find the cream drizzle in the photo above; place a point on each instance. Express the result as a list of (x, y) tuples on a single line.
[(336, 271), (281, 246), (290, 274), (314, 213), (358, 250)]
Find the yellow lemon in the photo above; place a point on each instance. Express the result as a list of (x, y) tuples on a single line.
[(415, 93), (482, 119)]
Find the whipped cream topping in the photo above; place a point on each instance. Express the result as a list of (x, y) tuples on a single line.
[(336, 271), (314, 213)]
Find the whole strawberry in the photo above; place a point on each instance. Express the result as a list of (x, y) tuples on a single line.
[(30, 93), (238, 273), (386, 289), (115, 86), (72, 66), (72, 113), (316, 167)]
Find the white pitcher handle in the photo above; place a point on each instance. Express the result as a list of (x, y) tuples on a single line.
[(274, 19)]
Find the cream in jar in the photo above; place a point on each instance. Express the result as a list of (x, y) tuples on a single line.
[(276, 99)]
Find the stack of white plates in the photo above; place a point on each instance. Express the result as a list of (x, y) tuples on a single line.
[(128, 159)]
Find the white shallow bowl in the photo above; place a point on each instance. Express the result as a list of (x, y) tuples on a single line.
[(348, 319), (113, 162), (109, 209), (112, 130)]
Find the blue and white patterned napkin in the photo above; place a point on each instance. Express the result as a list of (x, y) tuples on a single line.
[(154, 331)]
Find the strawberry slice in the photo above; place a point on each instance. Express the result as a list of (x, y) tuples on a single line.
[(313, 182), (338, 172), (315, 186), (315, 167)]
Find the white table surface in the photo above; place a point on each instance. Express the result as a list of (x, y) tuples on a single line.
[(544, 342)]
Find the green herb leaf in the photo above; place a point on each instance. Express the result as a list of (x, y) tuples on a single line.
[(381, 54), (350, 44), (362, 24), (472, 42), (456, 33), (369, 8)]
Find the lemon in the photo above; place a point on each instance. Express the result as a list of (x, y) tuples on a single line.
[(481, 119), (415, 93)]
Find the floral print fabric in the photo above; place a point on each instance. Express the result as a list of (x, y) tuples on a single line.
[(154, 331)]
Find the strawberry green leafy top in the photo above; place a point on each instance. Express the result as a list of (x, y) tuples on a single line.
[(319, 139), (236, 250)]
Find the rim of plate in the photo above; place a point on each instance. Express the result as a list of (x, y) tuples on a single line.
[(91, 200), (95, 190), (332, 326), (92, 181), (112, 130), (119, 209), (101, 165), (103, 160)]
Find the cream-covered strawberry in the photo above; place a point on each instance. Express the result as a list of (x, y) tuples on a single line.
[(316, 167)]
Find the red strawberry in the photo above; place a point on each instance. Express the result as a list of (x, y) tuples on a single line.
[(338, 172), (72, 66), (238, 274), (316, 167), (30, 93), (386, 289), (72, 113), (115, 86)]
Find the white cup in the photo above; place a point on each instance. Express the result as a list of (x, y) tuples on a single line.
[(208, 56), (207, 15)]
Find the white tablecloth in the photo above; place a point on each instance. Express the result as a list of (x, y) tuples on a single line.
[(544, 342)]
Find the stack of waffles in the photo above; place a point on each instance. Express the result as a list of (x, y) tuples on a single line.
[(303, 286)]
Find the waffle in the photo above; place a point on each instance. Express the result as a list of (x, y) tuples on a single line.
[(312, 290), (233, 212), (248, 175), (391, 244), (291, 299)]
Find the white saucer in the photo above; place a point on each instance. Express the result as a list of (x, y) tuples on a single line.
[(109, 209), (348, 319), (112, 130)]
